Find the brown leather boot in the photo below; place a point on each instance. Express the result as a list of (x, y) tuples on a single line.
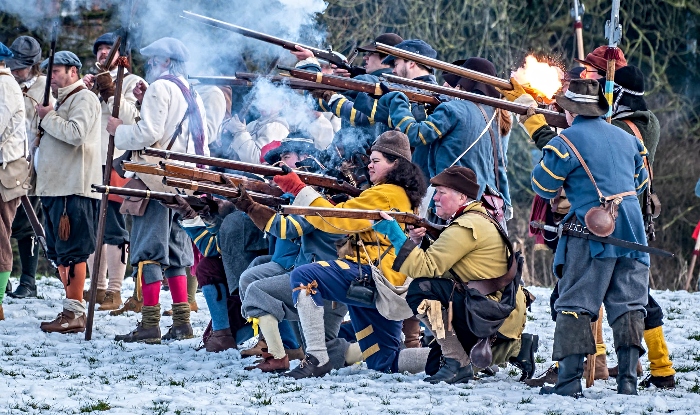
[(112, 301), (100, 295), (411, 331), (65, 322), (181, 328), (147, 330), (256, 350), (550, 376), (601, 368), (295, 354), (131, 304), (271, 365), (2, 313), (220, 340)]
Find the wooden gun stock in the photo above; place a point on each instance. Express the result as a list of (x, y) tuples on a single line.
[(221, 191)]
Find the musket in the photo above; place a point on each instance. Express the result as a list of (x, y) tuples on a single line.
[(193, 173), (37, 227), (49, 72), (613, 32), (432, 229), (311, 179), (580, 231), (222, 191), (349, 84), (196, 202), (245, 79), (444, 66), (328, 55), (553, 118)]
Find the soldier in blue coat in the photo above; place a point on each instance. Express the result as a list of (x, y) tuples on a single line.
[(456, 132), (590, 272)]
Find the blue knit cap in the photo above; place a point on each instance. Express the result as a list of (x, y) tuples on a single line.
[(167, 47), (413, 45), (106, 39), (65, 58), (5, 52)]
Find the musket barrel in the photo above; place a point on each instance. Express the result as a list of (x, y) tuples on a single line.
[(553, 118), (444, 66), (221, 191)]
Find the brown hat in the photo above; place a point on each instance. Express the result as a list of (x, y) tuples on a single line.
[(584, 97), (461, 179), (597, 59), (391, 39), (395, 143)]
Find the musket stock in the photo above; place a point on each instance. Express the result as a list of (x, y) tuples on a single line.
[(221, 191), (311, 179), (196, 202), (553, 118), (349, 84)]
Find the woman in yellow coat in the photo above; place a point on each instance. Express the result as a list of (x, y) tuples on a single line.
[(398, 185)]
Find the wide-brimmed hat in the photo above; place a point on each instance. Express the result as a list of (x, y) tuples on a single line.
[(415, 46), (395, 143), (27, 53), (629, 88), (461, 179), (391, 39), (584, 97), (482, 65), (296, 142), (597, 59)]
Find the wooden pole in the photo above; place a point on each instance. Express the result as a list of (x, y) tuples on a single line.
[(103, 203)]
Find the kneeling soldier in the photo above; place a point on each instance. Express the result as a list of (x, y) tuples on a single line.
[(465, 269)]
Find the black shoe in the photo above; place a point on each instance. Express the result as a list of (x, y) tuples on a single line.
[(661, 382), (309, 368), (569, 381), (23, 291), (8, 288), (451, 372), (525, 360), (179, 332)]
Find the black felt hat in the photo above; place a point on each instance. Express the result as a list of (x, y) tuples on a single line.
[(629, 89), (391, 39), (296, 142), (482, 65), (584, 97)]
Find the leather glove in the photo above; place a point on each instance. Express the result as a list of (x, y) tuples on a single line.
[(517, 91), (181, 207), (322, 94), (243, 201), (392, 230), (257, 212), (105, 85), (289, 182), (235, 125)]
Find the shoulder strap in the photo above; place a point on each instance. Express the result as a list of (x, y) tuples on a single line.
[(590, 175), (638, 134), (71, 93), (494, 145)]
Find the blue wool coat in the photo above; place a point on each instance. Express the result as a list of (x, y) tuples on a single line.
[(312, 244), (446, 133), (615, 159)]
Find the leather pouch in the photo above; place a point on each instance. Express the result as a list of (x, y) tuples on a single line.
[(134, 206)]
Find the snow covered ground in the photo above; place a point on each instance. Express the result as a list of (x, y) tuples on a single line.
[(59, 374)]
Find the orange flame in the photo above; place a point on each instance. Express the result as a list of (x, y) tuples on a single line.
[(540, 79)]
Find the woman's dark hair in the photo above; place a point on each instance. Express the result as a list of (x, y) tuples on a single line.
[(407, 176)]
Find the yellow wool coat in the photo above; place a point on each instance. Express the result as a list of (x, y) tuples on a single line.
[(472, 247), (379, 197)]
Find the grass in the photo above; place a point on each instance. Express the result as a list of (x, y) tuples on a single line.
[(98, 406), (695, 336), (526, 400)]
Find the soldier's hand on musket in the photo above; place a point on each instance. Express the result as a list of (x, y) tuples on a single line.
[(112, 125), (139, 91), (301, 53), (89, 80), (181, 207), (235, 125), (517, 91), (341, 72), (43, 110), (105, 85), (415, 234)]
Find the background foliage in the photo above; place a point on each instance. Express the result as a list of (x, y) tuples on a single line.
[(658, 36)]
